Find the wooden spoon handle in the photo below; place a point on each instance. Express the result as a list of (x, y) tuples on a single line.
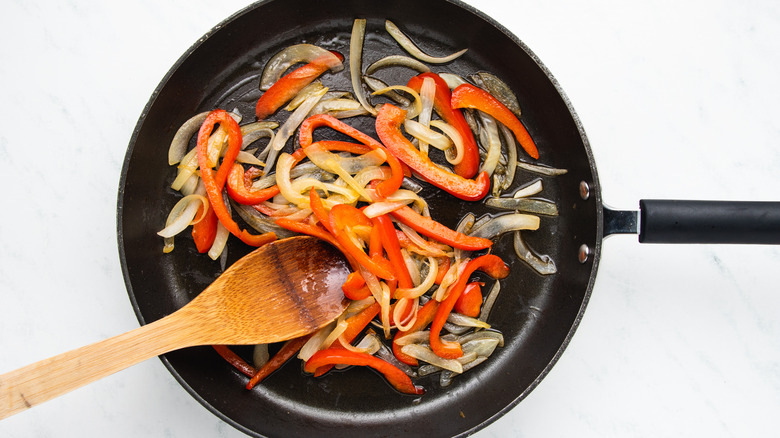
[(41, 381)]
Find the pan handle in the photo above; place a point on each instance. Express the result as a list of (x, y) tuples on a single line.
[(674, 221)]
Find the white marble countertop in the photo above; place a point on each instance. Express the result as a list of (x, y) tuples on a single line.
[(679, 100)]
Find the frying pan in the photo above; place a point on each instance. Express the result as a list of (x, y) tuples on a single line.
[(537, 322)]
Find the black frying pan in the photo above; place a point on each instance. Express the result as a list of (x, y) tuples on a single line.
[(538, 318)]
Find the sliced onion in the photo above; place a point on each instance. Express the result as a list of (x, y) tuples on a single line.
[(279, 63), (542, 264), (313, 344), (260, 222), (289, 126), (490, 139), (542, 170), (387, 355), (181, 139), (186, 169), (244, 157), (190, 185), (466, 321), (490, 300), (506, 223), (339, 108), (218, 246), (421, 337), (256, 126), (331, 162), (452, 80), (377, 84), (260, 355), (482, 347), (383, 207), (424, 286), (425, 354), (285, 162), (483, 334), (414, 108), (454, 155), (427, 92), (397, 61), (401, 308), (302, 95), (535, 206), (183, 214), (426, 135), (341, 327), (511, 154), (415, 51), (356, 62), (530, 189)]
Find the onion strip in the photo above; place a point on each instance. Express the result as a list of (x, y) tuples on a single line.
[(356, 62), (409, 45)]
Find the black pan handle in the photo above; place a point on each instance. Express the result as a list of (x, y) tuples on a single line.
[(673, 221), (676, 221)]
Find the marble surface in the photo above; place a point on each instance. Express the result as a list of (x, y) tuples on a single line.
[(679, 100)]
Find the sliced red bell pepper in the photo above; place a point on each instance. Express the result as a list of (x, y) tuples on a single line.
[(355, 324), (444, 266), (442, 103), (305, 137), (205, 231), (355, 287), (288, 350), (284, 89), (469, 96), (429, 227), (388, 128), (424, 317), (397, 378), (488, 263), (237, 189), (392, 247), (235, 360), (215, 182), (315, 202), (343, 218), (470, 301)]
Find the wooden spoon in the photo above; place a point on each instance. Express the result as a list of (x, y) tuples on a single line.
[(280, 291)]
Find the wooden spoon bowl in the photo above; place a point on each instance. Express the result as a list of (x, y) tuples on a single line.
[(279, 291)]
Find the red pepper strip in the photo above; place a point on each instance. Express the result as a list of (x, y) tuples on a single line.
[(393, 249), (355, 325), (375, 242), (388, 128), (424, 317), (235, 360), (469, 96), (429, 227), (355, 287), (488, 263), (315, 202), (215, 183), (385, 188), (205, 231), (240, 193), (470, 300), (444, 266), (344, 217), (397, 378), (289, 85), (288, 350), (442, 103)]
